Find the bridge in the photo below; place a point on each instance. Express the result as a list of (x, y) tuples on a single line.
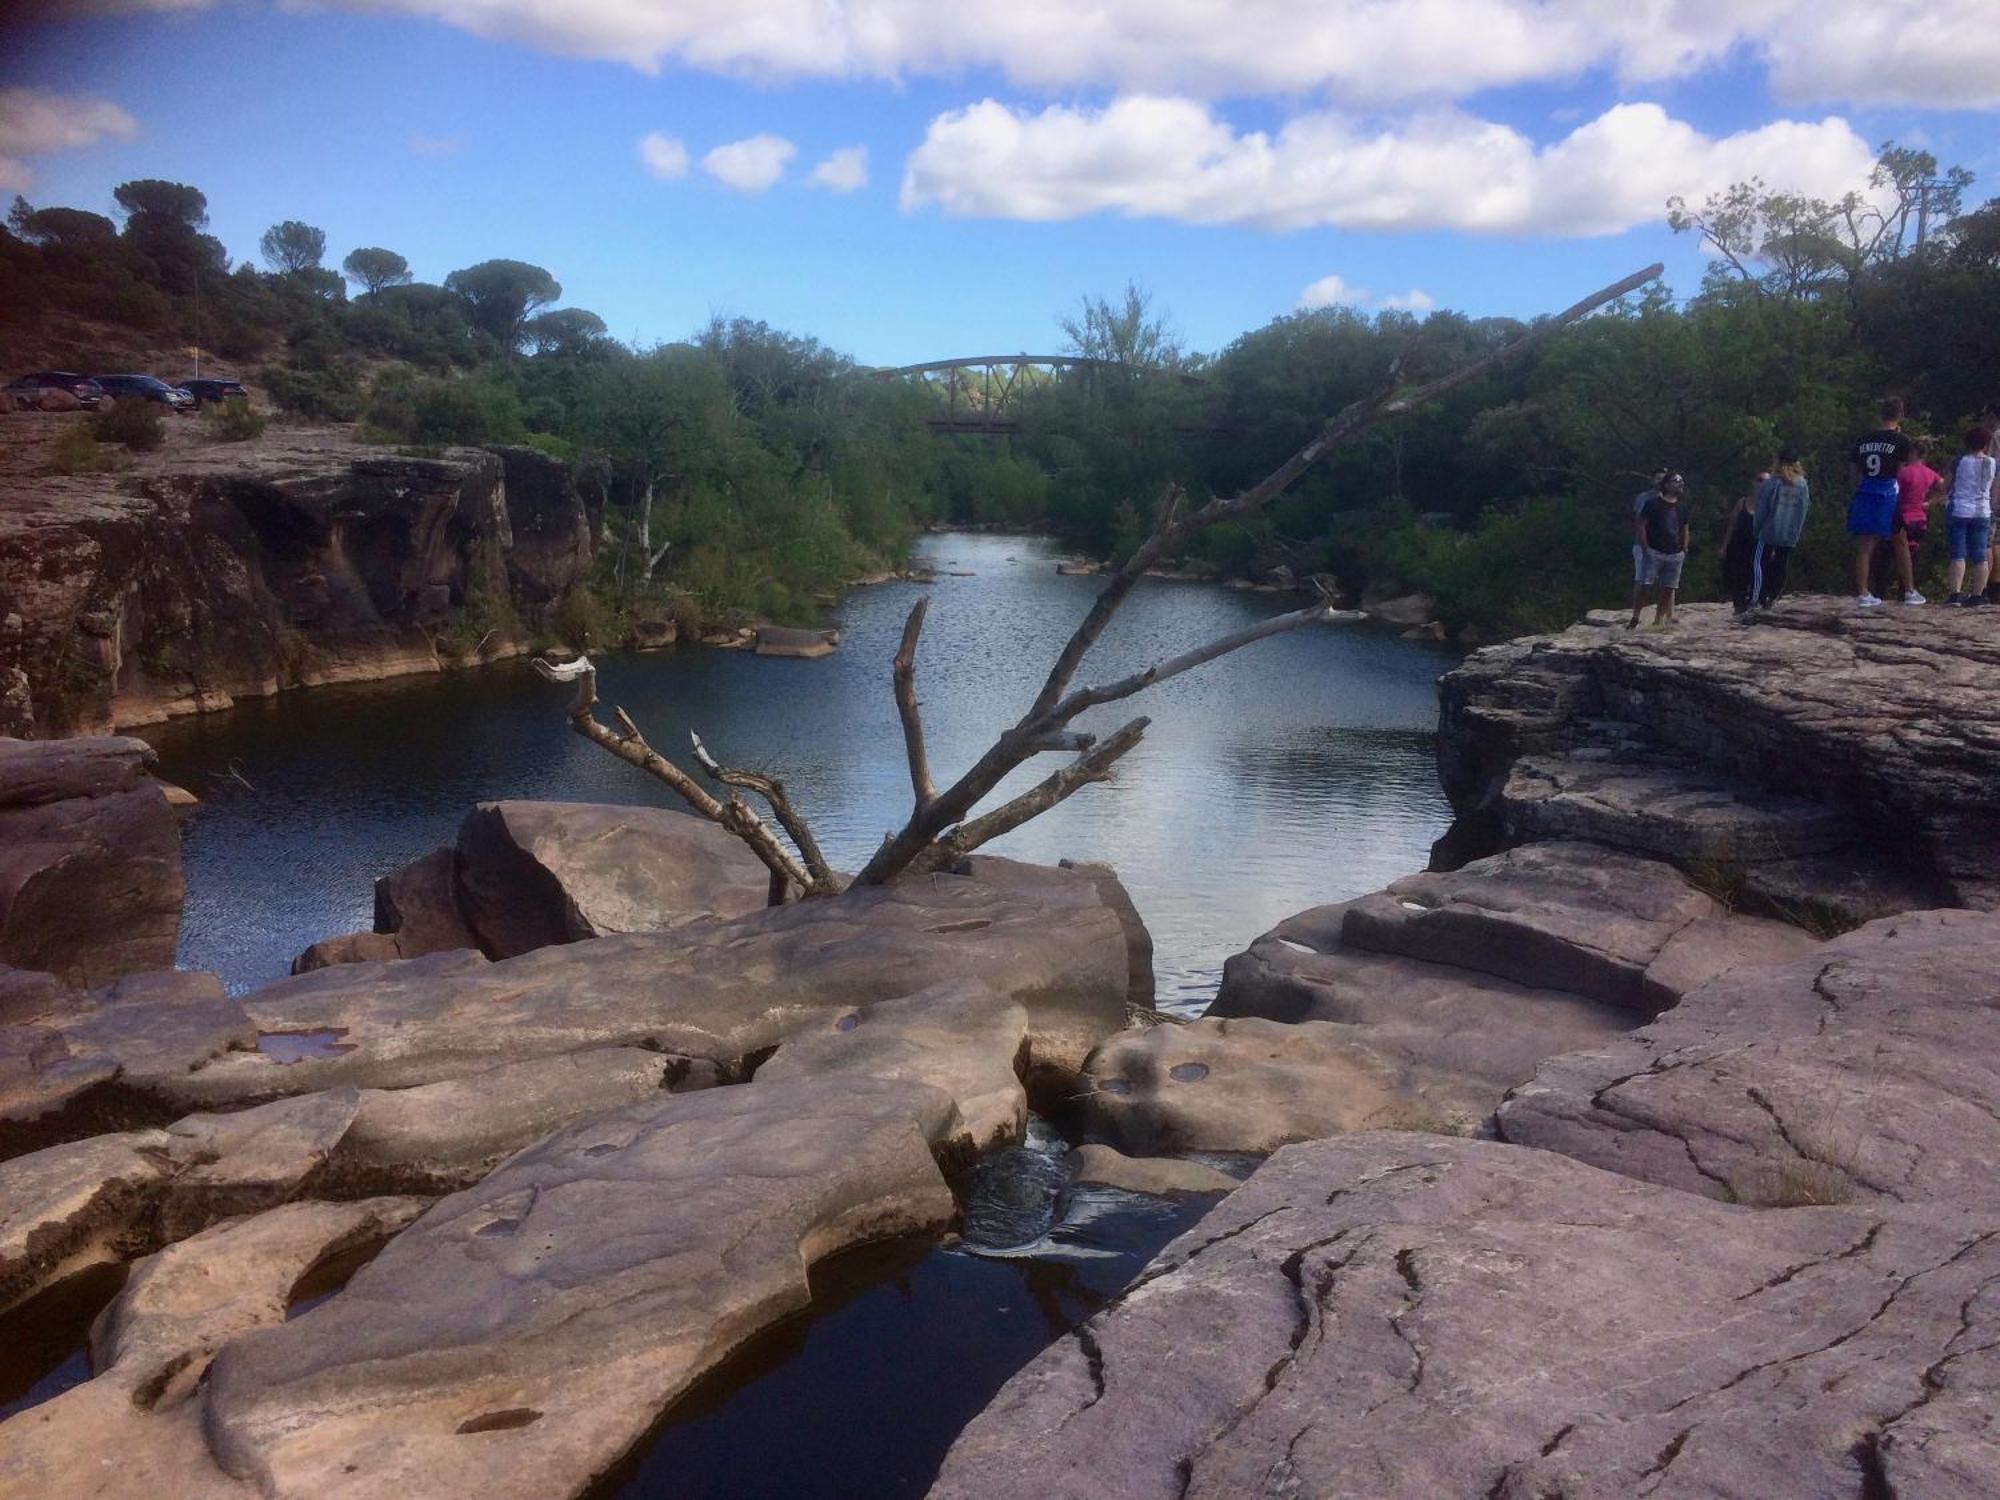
[(980, 389)]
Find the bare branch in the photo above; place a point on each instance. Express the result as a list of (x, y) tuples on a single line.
[(630, 746), (1092, 766), (1061, 739), (772, 791), (1187, 661), (905, 678)]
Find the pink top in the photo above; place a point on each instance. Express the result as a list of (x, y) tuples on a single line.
[(1913, 482)]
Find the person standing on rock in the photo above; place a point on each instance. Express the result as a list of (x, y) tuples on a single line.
[(1779, 516), (1638, 547), (1739, 548), (1968, 521), (1661, 529), (1918, 486), (1871, 514)]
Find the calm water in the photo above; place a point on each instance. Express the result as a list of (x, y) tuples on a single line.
[(1296, 772)]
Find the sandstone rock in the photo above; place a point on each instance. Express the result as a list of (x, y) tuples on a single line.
[(1403, 611), (67, 1206), (1243, 1085), (535, 873), (523, 1334), (251, 1160), (182, 1304), (961, 1039), (349, 948), (652, 635), (1015, 875), (1889, 717), (90, 861), (1569, 916), (719, 991), (780, 640), (1405, 1317), (442, 1136), (93, 1443), (1866, 1069), (417, 911), (552, 534), (1160, 1176)]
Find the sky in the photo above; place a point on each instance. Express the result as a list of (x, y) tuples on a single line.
[(911, 180)]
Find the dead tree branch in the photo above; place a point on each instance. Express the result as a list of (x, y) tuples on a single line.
[(630, 746), (904, 676), (772, 790)]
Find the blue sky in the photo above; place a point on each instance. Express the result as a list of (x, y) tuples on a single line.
[(1498, 156)]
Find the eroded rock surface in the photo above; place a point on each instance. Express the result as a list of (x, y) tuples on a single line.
[(1868, 1069), (524, 1333), (1396, 1315), (90, 860), (1161, 1176)]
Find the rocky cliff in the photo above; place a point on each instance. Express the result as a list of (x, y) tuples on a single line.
[(211, 573)]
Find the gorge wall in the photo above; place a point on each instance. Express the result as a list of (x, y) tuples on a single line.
[(230, 571)]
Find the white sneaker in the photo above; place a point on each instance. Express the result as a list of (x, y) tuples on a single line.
[(1866, 601), (1913, 597)]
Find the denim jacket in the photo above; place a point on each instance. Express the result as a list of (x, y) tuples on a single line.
[(1781, 511)]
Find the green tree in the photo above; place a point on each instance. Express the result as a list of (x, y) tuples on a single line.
[(163, 227), (500, 294), (567, 331), (64, 228), (293, 246), (372, 268)]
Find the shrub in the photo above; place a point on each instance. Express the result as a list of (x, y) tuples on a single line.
[(134, 423), (328, 395), (77, 451), (426, 411), (235, 421)]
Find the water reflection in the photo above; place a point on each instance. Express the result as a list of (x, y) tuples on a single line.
[(1296, 773)]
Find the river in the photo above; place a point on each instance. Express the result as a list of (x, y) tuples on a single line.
[(1296, 772)]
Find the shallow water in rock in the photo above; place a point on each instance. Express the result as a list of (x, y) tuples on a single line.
[(905, 1344), (1298, 771)]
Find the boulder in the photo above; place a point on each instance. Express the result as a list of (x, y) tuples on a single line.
[(780, 640), (1406, 1317), (721, 991), (652, 635), (1869, 1069), (1888, 717), (1245, 1085), (417, 911), (182, 1304), (534, 873), (525, 1333), (69, 1206), (1016, 875), (1577, 917), (1403, 611), (249, 1160), (1158, 1176), (959, 1038), (438, 1137), (90, 860)]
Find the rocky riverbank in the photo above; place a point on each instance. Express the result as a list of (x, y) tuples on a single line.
[(1637, 1147), (207, 573)]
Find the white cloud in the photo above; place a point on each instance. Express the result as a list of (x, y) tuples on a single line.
[(1415, 300), (435, 145), (1177, 159), (36, 121), (751, 165), (843, 171), (1330, 291), (1932, 53), (663, 156)]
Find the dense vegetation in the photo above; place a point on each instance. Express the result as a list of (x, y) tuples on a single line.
[(751, 471)]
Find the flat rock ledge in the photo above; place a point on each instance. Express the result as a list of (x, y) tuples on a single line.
[(1405, 1317)]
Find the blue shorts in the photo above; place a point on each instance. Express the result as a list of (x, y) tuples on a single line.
[(1968, 538), (1872, 511)]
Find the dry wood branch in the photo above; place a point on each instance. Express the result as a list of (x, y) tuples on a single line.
[(904, 676), (1062, 739), (1187, 661), (1092, 766), (1051, 710), (630, 746), (772, 791)]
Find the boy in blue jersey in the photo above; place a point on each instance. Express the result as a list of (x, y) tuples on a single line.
[(1871, 514)]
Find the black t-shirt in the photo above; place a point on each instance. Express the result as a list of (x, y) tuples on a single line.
[(1664, 516), (1881, 453)]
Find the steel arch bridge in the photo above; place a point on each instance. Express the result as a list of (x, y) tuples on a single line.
[(979, 389)]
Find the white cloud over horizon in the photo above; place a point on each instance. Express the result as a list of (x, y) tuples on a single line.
[(1335, 290), (1927, 53), (844, 171), (752, 165), (663, 156), (1178, 159), (35, 122)]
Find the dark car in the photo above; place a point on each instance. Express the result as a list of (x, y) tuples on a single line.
[(208, 392), (28, 389), (145, 388)]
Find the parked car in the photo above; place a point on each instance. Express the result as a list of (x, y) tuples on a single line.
[(207, 392), (146, 388), (27, 391)]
